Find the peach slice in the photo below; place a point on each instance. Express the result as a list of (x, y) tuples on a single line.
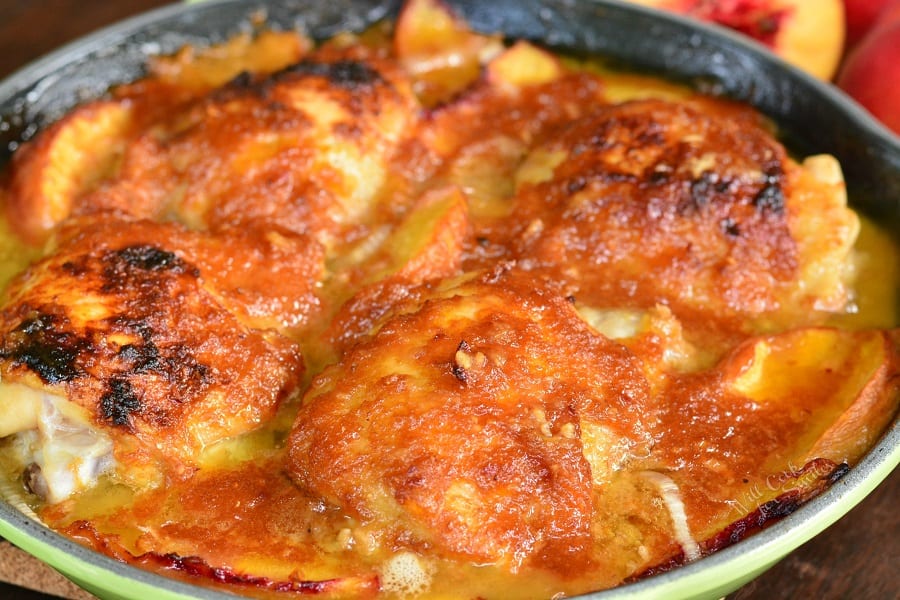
[(65, 161), (426, 245), (524, 64), (840, 388), (201, 70), (806, 33), (781, 418), (440, 50)]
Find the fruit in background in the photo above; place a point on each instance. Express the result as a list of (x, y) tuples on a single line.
[(871, 71), (860, 16), (440, 50), (890, 13), (806, 33)]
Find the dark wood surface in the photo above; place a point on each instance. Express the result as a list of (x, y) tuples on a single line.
[(856, 558)]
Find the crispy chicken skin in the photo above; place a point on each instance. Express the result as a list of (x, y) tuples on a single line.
[(186, 255), (138, 324), (691, 204), (304, 149), (460, 425)]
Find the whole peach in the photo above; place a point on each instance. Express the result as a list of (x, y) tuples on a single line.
[(805, 33), (860, 15), (871, 72)]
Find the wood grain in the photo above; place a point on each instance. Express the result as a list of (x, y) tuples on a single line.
[(856, 558), (21, 569)]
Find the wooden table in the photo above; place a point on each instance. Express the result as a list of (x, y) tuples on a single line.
[(856, 558)]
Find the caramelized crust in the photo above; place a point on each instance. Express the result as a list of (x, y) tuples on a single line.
[(690, 204), (305, 149), (459, 424), (125, 321)]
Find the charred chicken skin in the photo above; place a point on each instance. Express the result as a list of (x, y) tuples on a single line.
[(139, 326), (187, 255), (691, 204), (304, 149)]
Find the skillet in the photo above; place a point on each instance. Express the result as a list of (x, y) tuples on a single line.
[(811, 117)]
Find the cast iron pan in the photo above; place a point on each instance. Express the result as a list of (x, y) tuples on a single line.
[(813, 118)]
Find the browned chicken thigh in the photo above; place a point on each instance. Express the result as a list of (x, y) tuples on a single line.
[(188, 255), (477, 420), (691, 204), (305, 149), (140, 336)]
